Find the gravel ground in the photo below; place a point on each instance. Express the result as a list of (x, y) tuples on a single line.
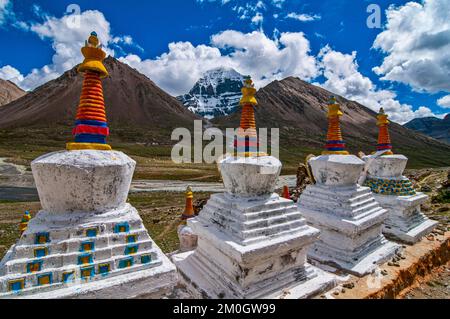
[(436, 286)]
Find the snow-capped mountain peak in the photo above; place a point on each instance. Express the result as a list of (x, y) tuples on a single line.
[(216, 93)]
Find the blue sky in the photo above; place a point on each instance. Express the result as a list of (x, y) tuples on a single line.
[(403, 66)]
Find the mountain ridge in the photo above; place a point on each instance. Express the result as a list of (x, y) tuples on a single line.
[(299, 109), (432, 126), (9, 92), (131, 98)]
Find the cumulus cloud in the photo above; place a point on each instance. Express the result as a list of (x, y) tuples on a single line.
[(67, 34), (303, 17), (10, 73), (343, 78), (416, 41), (4, 10), (249, 53), (444, 102)]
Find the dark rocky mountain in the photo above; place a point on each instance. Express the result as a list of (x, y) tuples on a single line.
[(132, 101), (217, 93), (9, 92), (299, 110), (432, 126)]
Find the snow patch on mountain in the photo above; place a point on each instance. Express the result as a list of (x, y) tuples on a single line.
[(217, 93)]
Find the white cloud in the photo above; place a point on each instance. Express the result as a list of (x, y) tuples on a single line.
[(343, 78), (416, 41), (4, 10), (67, 35), (11, 74), (303, 17), (444, 102), (252, 53)]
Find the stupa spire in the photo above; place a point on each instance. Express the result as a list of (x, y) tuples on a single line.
[(246, 144), (384, 140), (91, 127), (335, 143), (189, 208)]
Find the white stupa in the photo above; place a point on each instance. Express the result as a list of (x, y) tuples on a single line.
[(348, 216), (251, 242), (87, 241), (395, 192)]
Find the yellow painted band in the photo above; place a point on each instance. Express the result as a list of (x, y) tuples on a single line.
[(335, 153), (87, 146)]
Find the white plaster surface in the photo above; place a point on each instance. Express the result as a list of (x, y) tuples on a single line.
[(386, 166), (405, 220), (250, 176), (251, 243), (336, 170), (81, 191), (348, 216), (202, 286), (83, 181), (188, 239)]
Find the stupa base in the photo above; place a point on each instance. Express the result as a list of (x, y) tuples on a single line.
[(358, 266), (152, 283), (203, 284), (86, 255), (351, 222), (405, 222), (224, 267)]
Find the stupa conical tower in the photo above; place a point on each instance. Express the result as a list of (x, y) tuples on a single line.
[(394, 191), (91, 127), (252, 243), (188, 239), (384, 139), (246, 142), (87, 241), (348, 216), (335, 142)]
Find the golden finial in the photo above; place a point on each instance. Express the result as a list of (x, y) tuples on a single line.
[(384, 139), (248, 92), (189, 208), (93, 57)]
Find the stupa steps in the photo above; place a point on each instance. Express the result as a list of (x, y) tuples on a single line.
[(221, 217), (269, 284), (31, 279), (265, 235), (244, 217), (74, 244), (249, 206), (348, 255), (258, 230), (352, 242), (342, 210), (348, 226), (57, 260), (406, 224), (338, 192), (349, 199)]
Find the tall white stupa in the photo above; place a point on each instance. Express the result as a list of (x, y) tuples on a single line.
[(395, 192), (348, 216), (87, 241), (251, 242)]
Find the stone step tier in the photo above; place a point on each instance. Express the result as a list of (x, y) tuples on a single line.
[(351, 223), (405, 220), (61, 254), (249, 221)]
